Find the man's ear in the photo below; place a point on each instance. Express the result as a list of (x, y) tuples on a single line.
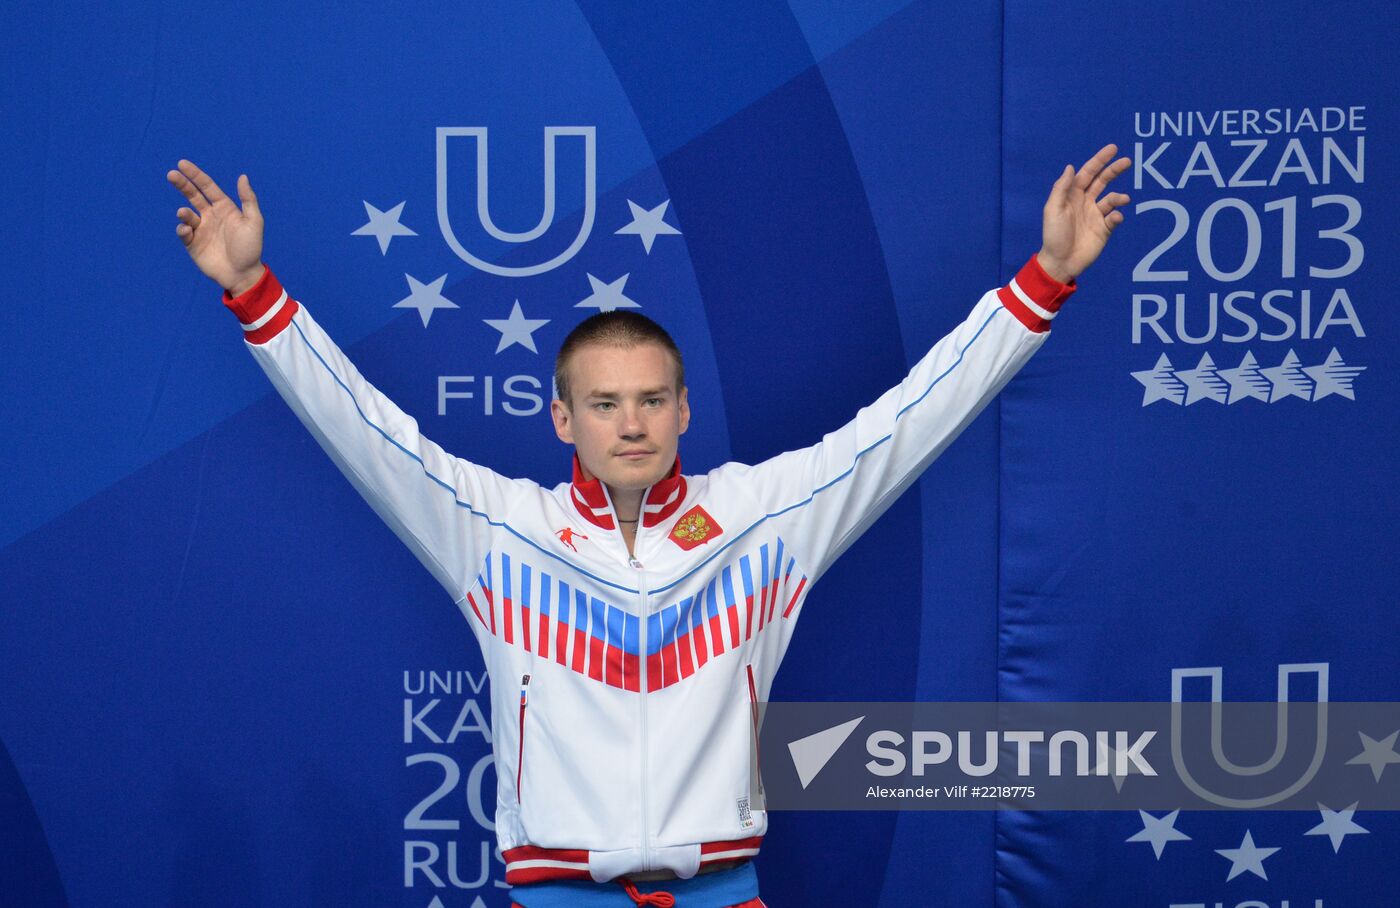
[(563, 421), (684, 410)]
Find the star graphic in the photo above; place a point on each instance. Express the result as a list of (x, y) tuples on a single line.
[(648, 223), (1376, 754), (1336, 825), (1159, 831), (425, 298), (1246, 857), (607, 297), (383, 225), (1289, 379), (517, 329), (1204, 381), (1159, 383), (1334, 377), (1247, 380)]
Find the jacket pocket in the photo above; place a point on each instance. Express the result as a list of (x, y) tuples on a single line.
[(520, 756), (753, 712)]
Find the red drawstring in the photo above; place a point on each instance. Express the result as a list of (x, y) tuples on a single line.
[(659, 899)]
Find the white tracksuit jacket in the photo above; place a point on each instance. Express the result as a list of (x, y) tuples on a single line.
[(622, 688)]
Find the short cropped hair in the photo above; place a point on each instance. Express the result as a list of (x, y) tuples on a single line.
[(618, 328)]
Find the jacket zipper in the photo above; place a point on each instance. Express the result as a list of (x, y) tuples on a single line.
[(642, 688), (642, 697), (520, 758)]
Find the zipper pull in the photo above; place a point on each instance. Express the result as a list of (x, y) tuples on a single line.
[(524, 687), (635, 563)]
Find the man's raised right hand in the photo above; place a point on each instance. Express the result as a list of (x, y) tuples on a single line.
[(225, 242)]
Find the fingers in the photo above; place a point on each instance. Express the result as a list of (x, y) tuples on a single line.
[(1091, 167), (189, 190), (247, 197), (202, 181), (1059, 192), (189, 222), (1112, 201), (1093, 178), (1107, 175)]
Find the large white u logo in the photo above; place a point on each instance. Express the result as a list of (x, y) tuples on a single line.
[(1280, 735), (551, 134)]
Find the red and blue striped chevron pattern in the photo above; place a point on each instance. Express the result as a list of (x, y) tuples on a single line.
[(545, 615)]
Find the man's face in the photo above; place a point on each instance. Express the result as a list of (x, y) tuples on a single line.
[(626, 416)]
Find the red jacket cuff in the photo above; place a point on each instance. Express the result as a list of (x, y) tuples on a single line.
[(264, 309), (1034, 296)]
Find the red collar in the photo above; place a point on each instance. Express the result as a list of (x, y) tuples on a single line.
[(662, 499)]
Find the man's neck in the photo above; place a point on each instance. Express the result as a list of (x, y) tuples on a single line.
[(627, 503), (627, 506)]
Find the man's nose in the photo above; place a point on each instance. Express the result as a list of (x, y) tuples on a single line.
[(631, 425)]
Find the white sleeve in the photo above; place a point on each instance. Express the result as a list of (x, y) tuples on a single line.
[(436, 503), (824, 496)]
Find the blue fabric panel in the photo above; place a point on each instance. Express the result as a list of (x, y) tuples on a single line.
[(1139, 535)]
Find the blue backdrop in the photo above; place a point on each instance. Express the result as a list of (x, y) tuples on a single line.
[(224, 682)]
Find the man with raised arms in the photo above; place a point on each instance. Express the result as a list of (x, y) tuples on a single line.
[(632, 617)]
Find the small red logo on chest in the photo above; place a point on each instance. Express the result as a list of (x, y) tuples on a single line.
[(568, 535), (694, 527)]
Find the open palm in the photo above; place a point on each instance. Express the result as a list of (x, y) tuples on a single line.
[(1078, 216), (224, 240)]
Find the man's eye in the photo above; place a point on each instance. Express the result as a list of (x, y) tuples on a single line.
[(653, 401), (603, 405)]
